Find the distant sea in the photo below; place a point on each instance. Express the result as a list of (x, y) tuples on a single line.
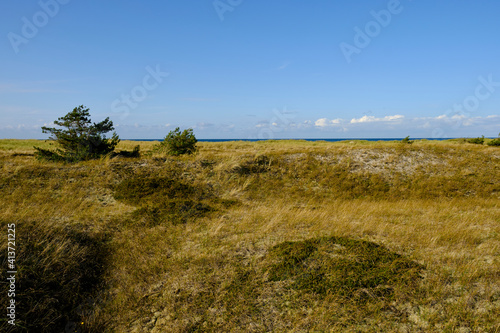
[(328, 140)]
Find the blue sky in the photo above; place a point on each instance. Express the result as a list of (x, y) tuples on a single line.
[(253, 69)]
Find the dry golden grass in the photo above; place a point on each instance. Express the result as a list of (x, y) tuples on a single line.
[(165, 263)]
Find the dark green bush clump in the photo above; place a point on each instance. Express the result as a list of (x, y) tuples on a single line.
[(81, 140), (178, 143), (341, 266), (477, 141)]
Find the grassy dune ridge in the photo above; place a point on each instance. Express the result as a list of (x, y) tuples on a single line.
[(277, 236)]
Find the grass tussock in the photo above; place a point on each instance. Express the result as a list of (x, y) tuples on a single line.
[(276, 236)]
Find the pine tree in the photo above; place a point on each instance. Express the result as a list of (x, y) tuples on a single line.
[(79, 139)]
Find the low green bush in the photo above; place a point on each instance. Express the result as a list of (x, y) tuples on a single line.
[(178, 143)]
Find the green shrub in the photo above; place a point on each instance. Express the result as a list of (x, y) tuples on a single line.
[(178, 143), (477, 141), (495, 142), (81, 140)]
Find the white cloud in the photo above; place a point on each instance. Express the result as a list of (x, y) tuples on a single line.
[(364, 119), (324, 122), (391, 118), (371, 119)]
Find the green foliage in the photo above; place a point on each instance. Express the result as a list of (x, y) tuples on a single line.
[(79, 139), (178, 143), (407, 140), (341, 266), (477, 141)]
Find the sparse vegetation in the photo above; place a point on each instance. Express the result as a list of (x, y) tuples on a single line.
[(271, 236), (80, 140), (178, 143)]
